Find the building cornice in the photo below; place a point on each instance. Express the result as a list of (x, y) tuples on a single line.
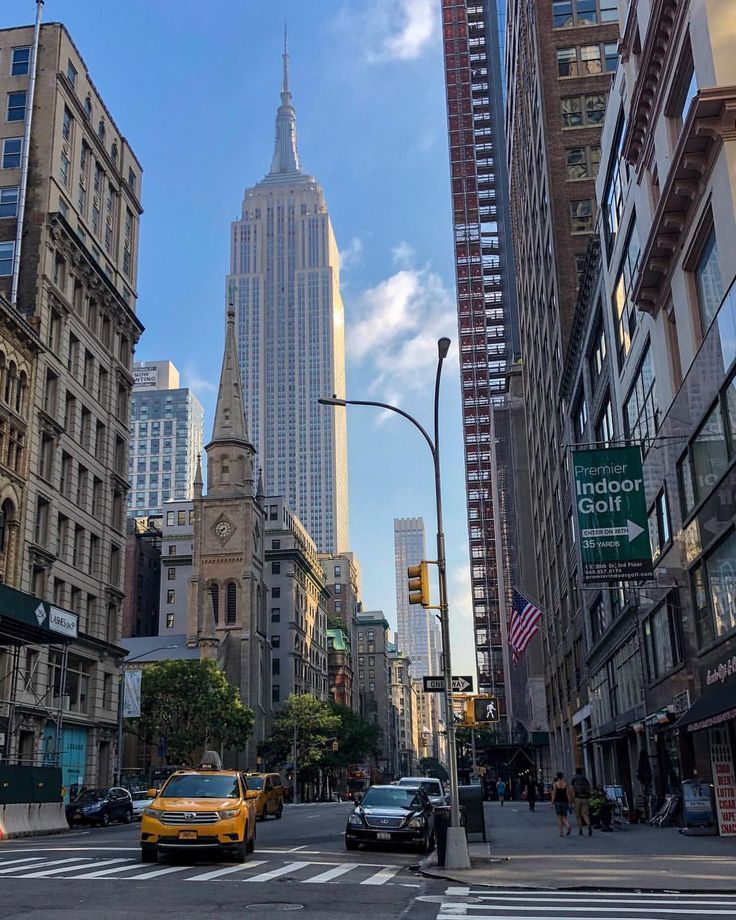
[(710, 121), (654, 65)]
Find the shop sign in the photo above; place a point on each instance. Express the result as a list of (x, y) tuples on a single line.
[(697, 804), (722, 672), (608, 486), (724, 782)]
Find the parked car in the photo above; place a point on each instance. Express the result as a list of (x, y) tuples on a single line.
[(267, 793), (100, 806), (392, 814), (141, 800), (432, 786)]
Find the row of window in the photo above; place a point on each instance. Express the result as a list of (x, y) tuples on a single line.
[(567, 13), (587, 60)]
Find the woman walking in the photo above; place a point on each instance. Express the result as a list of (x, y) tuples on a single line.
[(561, 802), (531, 793)]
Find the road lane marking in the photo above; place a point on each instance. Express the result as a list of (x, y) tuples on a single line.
[(9, 862), (458, 911), (156, 872), (547, 898), (130, 864), (275, 873), (46, 871), (216, 873), (332, 873), (380, 878)]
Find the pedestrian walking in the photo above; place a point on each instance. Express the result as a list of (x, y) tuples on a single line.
[(580, 790), (561, 804), (531, 794), (501, 791)]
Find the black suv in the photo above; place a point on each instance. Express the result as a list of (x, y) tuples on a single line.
[(100, 806)]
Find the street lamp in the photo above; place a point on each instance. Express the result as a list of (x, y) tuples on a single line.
[(457, 846), (121, 694)]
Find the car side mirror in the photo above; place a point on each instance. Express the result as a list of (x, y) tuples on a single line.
[(152, 793), (251, 793)]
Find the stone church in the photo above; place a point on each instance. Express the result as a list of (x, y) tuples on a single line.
[(226, 603)]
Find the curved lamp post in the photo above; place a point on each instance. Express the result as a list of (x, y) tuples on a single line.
[(457, 847)]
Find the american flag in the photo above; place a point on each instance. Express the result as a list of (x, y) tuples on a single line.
[(522, 624)]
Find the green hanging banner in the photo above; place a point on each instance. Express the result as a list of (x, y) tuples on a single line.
[(608, 486)]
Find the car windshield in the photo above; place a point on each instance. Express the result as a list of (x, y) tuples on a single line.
[(394, 796), (253, 782), (201, 786), (91, 795)]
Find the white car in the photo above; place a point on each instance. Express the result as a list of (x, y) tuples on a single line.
[(141, 800), (432, 786)]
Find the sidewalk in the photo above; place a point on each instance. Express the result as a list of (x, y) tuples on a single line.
[(526, 852)]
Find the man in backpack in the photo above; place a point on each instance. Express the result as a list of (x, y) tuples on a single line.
[(580, 790)]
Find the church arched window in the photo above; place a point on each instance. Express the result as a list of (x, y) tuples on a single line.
[(6, 514), (231, 601), (215, 600)]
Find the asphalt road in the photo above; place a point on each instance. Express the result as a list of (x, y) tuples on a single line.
[(300, 862)]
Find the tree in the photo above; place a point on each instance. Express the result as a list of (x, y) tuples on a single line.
[(430, 766), (357, 738), (192, 705), (315, 724)]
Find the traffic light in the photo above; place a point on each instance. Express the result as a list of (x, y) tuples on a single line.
[(418, 576)]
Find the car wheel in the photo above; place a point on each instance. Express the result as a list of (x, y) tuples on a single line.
[(351, 844), (240, 850), (251, 844), (128, 817), (149, 853), (280, 810), (426, 845), (105, 820)]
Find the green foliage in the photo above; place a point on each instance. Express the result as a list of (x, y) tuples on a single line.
[(430, 766), (317, 724), (193, 705)]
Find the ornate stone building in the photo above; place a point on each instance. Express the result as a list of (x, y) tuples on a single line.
[(226, 611)]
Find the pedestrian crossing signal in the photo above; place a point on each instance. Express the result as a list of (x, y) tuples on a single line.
[(482, 710)]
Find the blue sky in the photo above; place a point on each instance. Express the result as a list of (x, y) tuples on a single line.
[(196, 96)]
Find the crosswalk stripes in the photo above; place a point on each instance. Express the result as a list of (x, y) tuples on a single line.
[(254, 871), (551, 904)]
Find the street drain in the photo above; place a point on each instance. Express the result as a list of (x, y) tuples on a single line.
[(281, 907)]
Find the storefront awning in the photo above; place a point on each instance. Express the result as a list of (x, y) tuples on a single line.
[(716, 705)]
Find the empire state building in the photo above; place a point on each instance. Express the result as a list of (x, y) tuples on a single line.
[(284, 283)]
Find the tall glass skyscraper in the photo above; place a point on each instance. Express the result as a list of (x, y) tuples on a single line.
[(166, 425), (284, 283), (417, 628)]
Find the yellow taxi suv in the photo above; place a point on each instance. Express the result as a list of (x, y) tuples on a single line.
[(202, 809), (266, 792)]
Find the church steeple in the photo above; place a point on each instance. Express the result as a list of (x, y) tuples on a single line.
[(230, 452), (285, 156)]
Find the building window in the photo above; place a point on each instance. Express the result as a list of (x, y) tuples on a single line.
[(181, 518), (171, 574), (567, 62), (580, 418), (685, 484), (231, 608), (685, 89), (624, 313), (662, 641), (275, 641), (578, 111), (567, 13), (169, 516), (597, 355), (9, 201), (275, 568), (20, 59), (713, 584), (581, 216), (660, 531), (599, 620), (275, 614), (275, 544), (170, 596), (708, 283), (276, 592), (66, 124), (604, 432), (71, 74), (582, 162), (11, 152), (591, 60), (613, 191), (215, 601), (709, 453), (16, 107), (610, 52), (641, 412), (169, 620)]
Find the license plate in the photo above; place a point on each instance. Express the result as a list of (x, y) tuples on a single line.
[(382, 835), (187, 835)]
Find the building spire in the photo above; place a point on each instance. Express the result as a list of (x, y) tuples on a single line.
[(198, 481), (230, 423), (285, 156), (260, 492)]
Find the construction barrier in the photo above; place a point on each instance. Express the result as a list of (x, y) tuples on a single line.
[(25, 820)]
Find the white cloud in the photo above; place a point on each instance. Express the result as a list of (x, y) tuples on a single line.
[(391, 29), (396, 329), (192, 379), (403, 254), (352, 254)]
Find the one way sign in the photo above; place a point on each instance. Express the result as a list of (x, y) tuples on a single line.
[(463, 684)]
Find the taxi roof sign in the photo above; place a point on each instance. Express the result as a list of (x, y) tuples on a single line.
[(210, 761)]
